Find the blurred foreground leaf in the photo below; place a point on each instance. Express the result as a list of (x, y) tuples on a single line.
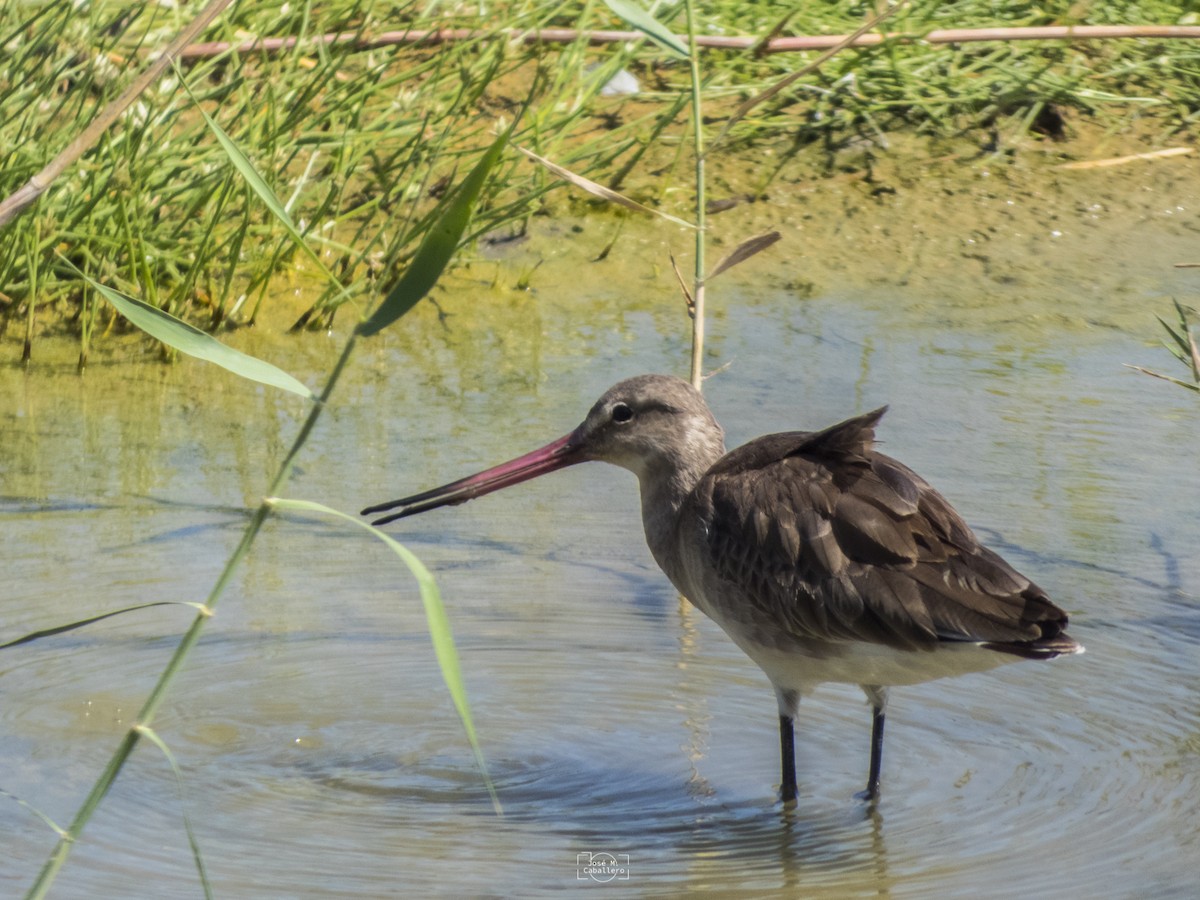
[(435, 617), (152, 736), (649, 26), (71, 626), (194, 342), (438, 247)]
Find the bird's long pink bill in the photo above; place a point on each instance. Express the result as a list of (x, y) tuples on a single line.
[(556, 455)]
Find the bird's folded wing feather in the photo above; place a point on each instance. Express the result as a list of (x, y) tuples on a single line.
[(833, 541)]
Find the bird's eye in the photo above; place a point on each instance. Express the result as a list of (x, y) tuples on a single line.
[(622, 413)]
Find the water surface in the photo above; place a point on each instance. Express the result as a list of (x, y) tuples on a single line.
[(322, 757)]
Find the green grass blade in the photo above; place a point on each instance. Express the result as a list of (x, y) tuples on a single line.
[(1191, 354), (435, 616), (1187, 384), (638, 18), (1178, 338), (71, 626), (258, 184), (194, 342), (439, 245), (149, 733), (54, 826), (129, 741)]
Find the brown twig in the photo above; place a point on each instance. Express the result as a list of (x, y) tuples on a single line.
[(1124, 160), (716, 42)]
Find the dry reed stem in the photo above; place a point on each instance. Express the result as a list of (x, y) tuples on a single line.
[(714, 42), (1124, 160), (13, 205)]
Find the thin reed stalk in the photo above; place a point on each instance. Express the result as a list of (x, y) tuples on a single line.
[(440, 242), (145, 716), (698, 286), (435, 36)]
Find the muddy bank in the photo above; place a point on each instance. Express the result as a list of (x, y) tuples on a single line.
[(958, 225)]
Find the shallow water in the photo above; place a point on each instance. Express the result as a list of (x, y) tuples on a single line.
[(321, 754)]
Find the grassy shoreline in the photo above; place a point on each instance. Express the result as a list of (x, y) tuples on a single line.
[(359, 143)]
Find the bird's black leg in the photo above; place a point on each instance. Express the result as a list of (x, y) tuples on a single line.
[(872, 792), (877, 694), (787, 753)]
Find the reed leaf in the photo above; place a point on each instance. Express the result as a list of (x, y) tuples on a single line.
[(638, 18), (599, 190), (147, 732), (194, 342), (71, 626), (435, 616), (50, 823), (259, 185), (1187, 384), (683, 288), (744, 251), (1184, 341), (145, 718)]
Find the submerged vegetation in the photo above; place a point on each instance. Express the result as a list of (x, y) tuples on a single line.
[(360, 137), (1181, 342)]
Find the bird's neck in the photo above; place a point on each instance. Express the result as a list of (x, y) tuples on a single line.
[(665, 488)]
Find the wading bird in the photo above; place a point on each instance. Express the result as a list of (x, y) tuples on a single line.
[(823, 560)]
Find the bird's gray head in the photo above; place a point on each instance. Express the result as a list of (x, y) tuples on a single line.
[(656, 426), (652, 424)]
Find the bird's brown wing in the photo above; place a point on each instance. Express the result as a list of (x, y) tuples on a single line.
[(833, 541)]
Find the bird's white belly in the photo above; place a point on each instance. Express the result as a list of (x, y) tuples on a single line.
[(797, 664), (870, 664)]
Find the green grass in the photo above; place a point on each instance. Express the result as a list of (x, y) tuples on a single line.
[(1181, 342), (360, 143)]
